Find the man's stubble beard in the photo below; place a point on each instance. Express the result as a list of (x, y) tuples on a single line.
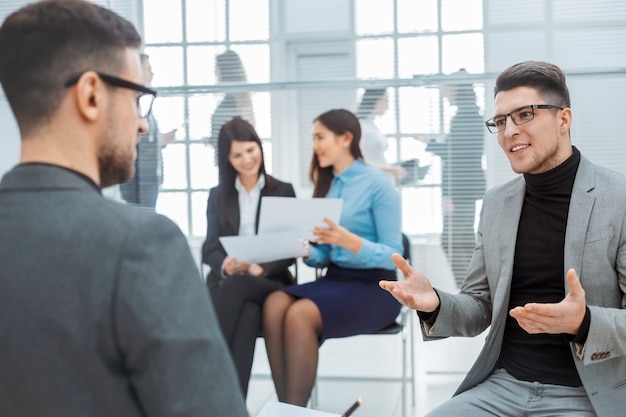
[(115, 164)]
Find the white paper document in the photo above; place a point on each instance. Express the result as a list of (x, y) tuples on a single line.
[(297, 215), (263, 248), (276, 409)]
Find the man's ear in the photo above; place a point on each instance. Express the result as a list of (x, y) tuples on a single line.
[(566, 119), (89, 95)]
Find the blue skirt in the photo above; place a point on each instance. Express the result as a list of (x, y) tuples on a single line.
[(350, 300)]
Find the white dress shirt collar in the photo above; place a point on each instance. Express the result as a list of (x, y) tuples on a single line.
[(248, 203)]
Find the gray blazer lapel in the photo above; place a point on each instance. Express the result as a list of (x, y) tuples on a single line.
[(580, 207), (508, 224), (500, 220)]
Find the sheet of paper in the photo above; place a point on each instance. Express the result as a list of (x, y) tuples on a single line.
[(263, 248), (297, 215), (276, 409)]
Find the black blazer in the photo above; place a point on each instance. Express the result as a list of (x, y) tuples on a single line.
[(213, 253)]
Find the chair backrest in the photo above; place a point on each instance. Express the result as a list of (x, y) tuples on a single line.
[(294, 272), (406, 248)]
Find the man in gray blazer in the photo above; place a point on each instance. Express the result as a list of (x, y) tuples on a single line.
[(102, 309), (548, 272)]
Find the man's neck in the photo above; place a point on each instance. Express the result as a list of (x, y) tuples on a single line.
[(47, 150)]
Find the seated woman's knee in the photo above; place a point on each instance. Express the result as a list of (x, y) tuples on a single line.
[(303, 312), (277, 302)]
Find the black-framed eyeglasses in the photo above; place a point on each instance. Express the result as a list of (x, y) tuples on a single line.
[(145, 95), (518, 116)]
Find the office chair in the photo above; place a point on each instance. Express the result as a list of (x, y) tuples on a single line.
[(403, 326)]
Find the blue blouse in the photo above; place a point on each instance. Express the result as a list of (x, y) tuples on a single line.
[(371, 210)]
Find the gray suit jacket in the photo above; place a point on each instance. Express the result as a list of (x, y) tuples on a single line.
[(595, 246), (102, 310)]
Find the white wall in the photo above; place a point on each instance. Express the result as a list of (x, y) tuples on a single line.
[(312, 40), (314, 17)]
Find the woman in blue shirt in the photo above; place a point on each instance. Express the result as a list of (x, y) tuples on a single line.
[(347, 300)]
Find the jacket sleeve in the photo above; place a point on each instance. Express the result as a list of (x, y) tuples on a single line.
[(213, 253), (606, 298), (469, 312)]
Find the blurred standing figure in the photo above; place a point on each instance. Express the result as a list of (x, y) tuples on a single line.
[(229, 69), (374, 103), (143, 187), (102, 310), (462, 177), (238, 287)]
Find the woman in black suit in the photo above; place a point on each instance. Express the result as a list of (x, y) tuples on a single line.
[(238, 287)]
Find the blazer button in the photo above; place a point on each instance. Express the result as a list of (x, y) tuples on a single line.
[(595, 357)]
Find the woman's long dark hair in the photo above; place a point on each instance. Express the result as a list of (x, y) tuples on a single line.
[(338, 121), (240, 130)]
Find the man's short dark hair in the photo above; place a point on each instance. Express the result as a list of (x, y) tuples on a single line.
[(43, 43), (546, 78)]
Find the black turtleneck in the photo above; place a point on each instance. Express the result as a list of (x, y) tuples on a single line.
[(538, 276)]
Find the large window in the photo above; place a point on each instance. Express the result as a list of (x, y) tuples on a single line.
[(184, 39), (414, 44), (303, 56), (394, 41), (308, 60)]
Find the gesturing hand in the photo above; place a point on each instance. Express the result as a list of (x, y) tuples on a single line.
[(415, 290), (555, 318)]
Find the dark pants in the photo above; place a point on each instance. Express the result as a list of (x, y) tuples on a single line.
[(239, 302)]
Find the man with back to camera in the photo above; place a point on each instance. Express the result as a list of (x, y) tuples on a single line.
[(548, 272), (102, 310)]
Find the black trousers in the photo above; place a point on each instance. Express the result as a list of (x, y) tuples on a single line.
[(238, 302)]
